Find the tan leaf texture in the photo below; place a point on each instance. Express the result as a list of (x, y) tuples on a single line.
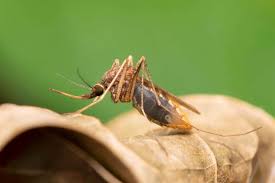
[(39, 145)]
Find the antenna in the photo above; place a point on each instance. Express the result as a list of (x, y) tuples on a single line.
[(72, 82), (82, 79)]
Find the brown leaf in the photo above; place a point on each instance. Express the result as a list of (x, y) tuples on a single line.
[(206, 157), (38, 145)]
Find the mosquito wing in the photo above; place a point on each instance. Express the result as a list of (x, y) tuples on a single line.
[(172, 97)]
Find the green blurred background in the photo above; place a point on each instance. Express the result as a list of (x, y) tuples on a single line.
[(192, 46)]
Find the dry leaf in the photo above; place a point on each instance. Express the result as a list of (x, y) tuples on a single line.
[(206, 157), (38, 145)]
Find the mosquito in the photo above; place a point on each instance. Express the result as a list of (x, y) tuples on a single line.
[(129, 83)]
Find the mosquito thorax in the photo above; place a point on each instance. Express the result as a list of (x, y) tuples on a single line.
[(116, 88)]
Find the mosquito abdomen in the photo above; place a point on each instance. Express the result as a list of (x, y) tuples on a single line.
[(159, 114)]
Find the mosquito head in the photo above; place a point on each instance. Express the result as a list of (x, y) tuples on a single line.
[(97, 90)]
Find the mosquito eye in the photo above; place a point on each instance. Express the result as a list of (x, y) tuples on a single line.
[(98, 90), (168, 118)]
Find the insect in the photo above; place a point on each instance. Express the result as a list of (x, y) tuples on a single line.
[(129, 83)]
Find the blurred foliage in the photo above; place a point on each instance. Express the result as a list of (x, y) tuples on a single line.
[(225, 47)]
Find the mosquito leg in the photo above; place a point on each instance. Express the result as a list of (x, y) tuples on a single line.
[(148, 77), (145, 70), (81, 97), (106, 91), (142, 93), (130, 93), (132, 84), (140, 64), (122, 79)]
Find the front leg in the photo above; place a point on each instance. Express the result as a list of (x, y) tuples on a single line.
[(98, 99), (122, 79)]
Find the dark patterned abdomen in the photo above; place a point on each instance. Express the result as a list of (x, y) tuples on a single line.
[(160, 114)]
